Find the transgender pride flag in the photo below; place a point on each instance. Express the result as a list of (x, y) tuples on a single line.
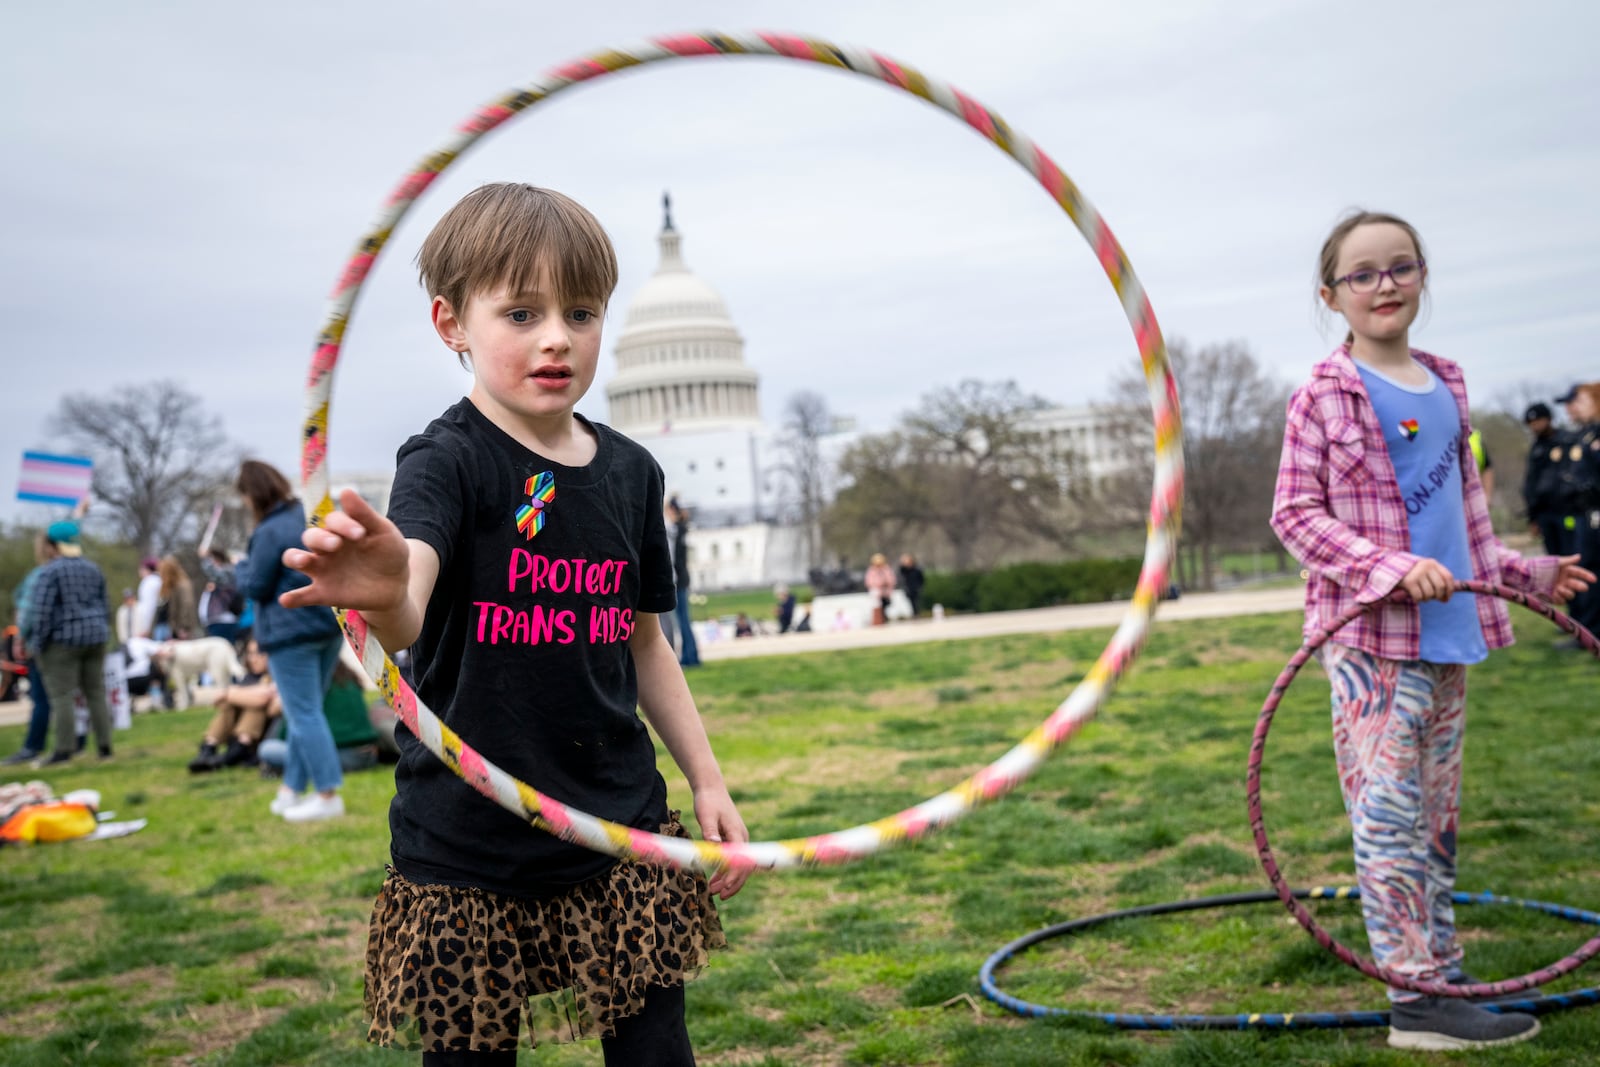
[(50, 479)]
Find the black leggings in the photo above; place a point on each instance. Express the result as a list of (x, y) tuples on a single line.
[(656, 1036)]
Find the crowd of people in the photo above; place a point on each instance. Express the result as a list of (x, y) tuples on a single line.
[(284, 702), (790, 616)]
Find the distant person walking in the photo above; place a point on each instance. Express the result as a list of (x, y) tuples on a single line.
[(39, 719), (69, 620), (912, 580), (678, 541), (783, 612), (302, 646), (880, 583)]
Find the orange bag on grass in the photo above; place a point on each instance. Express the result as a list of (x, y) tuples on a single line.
[(55, 821)]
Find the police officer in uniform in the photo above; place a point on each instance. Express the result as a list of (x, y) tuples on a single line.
[(1541, 482), (1580, 492)]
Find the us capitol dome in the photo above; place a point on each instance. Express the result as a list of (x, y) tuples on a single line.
[(680, 359), (683, 391)]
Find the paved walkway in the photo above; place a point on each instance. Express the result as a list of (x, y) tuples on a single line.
[(960, 628), (997, 623)]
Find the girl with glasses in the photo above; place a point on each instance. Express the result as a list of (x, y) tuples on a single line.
[(1378, 493)]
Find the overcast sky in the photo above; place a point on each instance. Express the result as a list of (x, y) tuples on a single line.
[(183, 181)]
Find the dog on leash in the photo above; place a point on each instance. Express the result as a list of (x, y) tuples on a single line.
[(184, 662)]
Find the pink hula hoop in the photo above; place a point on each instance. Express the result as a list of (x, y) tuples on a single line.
[(1269, 861)]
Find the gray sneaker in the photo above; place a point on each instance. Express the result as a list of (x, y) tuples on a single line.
[(21, 755), (1439, 1024)]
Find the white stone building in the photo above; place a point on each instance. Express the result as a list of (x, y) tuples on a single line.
[(371, 486), (1088, 436), (683, 390)]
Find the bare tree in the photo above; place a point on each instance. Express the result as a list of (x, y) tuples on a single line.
[(160, 459), (888, 487), (1233, 413), (965, 464), (1515, 399), (805, 473)]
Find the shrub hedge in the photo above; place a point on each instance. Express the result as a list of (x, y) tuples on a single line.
[(1033, 585)]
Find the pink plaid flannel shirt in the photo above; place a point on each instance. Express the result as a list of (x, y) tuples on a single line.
[(1339, 510)]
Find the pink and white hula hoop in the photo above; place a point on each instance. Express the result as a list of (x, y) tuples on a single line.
[(993, 781)]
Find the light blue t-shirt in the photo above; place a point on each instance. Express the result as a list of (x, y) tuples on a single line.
[(1422, 429)]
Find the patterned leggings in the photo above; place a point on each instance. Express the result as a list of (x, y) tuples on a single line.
[(1397, 735)]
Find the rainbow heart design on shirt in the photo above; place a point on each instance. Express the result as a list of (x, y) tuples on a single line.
[(1410, 427)]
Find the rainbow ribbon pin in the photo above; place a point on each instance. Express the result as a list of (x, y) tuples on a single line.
[(541, 489)]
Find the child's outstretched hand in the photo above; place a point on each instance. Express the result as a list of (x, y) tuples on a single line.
[(1428, 579), (357, 559), (719, 821), (1571, 580)]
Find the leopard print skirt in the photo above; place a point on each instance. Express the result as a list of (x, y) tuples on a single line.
[(453, 968)]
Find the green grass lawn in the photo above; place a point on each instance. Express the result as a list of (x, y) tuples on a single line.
[(222, 936)]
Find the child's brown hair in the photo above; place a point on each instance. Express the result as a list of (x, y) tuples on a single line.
[(509, 234)]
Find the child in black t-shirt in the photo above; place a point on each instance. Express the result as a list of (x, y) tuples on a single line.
[(524, 562)]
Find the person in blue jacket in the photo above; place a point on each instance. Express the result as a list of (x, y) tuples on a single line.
[(302, 646)]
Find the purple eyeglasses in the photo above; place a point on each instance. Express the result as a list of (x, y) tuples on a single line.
[(1367, 280)]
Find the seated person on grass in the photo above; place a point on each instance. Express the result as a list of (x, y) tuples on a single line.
[(345, 707), (243, 714)]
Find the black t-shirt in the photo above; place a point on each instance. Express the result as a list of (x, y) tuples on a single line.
[(524, 647)]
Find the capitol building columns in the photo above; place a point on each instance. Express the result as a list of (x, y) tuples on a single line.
[(680, 359), (640, 401)]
